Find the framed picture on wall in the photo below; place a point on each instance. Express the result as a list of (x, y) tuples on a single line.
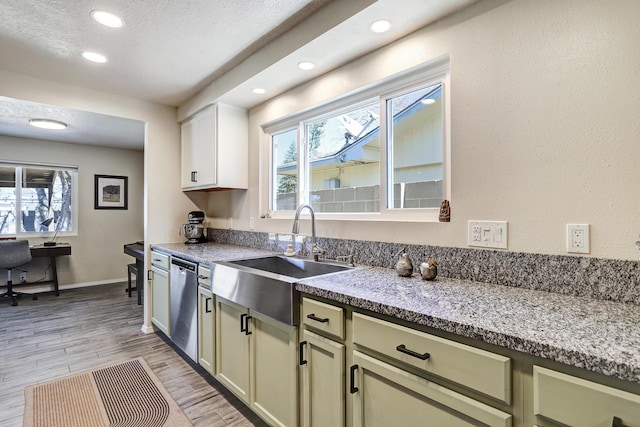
[(111, 192)]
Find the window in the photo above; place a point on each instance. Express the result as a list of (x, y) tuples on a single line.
[(382, 152), (37, 199)]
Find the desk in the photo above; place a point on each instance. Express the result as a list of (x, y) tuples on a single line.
[(51, 252), (136, 250)]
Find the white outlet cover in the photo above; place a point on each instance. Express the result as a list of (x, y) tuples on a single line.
[(579, 245)]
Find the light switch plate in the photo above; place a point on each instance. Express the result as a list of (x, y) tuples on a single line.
[(488, 234)]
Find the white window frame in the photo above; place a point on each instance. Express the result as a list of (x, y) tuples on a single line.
[(74, 199), (437, 71)]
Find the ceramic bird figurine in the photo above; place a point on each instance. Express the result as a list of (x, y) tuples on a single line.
[(404, 267), (429, 269)]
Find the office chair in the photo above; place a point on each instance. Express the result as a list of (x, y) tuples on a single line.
[(14, 253)]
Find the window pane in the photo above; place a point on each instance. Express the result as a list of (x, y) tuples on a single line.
[(46, 194), (344, 161), (7, 200), (416, 148), (285, 170)]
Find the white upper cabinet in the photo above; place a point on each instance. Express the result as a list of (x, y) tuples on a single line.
[(215, 149)]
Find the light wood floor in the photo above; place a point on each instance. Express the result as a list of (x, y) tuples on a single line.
[(93, 327)]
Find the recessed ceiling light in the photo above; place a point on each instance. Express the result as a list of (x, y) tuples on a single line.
[(428, 101), (306, 65), (107, 19), (48, 124), (94, 57), (380, 26), (258, 90)]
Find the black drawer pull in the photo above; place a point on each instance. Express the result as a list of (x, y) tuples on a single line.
[(312, 316), (301, 355), (352, 378), (403, 349), (617, 422), (243, 328), (207, 309), (246, 327)]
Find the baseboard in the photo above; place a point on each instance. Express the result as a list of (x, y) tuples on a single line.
[(36, 288)]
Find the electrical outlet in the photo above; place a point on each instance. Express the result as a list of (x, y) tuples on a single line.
[(488, 234), (252, 224), (23, 276), (578, 240)]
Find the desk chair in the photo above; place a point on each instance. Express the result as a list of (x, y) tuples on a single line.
[(14, 253)]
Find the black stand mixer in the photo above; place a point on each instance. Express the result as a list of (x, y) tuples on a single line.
[(194, 231)]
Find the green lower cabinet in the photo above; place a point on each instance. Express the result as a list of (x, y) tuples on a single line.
[(322, 372), (256, 360), (160, 299), (384, 395), (561, 399), (206, 330)]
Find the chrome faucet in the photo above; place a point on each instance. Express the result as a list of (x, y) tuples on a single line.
[(316, 251)]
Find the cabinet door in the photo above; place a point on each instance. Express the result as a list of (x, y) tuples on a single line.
[(384, 395), (274, 391), (322, 368), (160, 299), (206, 330), (204, 149), (187, 160), (232, 347)]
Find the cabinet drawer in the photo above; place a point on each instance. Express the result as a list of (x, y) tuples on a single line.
[(160, 259), (323, 317), (476, 369), (204, 276), (577, 402)]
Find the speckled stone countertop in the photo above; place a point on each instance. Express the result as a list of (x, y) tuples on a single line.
[(600, 336)]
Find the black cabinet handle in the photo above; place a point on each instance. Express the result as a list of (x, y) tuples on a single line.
[(243, 328), (312, 316), (301, 355), (403, 349), (617, 422), (352, 379), (201, 277), (207, 309), (246, 327)]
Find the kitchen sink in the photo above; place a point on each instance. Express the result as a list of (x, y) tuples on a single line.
[(297, 268), (267, 284)]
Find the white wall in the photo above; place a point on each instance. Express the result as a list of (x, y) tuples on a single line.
[(97, 253), (544, 124)]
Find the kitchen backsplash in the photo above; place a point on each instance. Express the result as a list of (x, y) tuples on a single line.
[(606, 279)]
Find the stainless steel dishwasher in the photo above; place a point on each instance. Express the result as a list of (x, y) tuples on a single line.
[(183, 313)]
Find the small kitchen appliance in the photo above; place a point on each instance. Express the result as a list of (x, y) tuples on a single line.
[(194, 231)]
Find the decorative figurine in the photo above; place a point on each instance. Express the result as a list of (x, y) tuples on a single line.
[(404, 267), (429, 269), (445, 212)]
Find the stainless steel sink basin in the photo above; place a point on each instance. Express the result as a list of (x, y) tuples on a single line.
[(292, 267), (267, 284)]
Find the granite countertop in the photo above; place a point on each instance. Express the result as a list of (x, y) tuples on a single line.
[(601, 336)]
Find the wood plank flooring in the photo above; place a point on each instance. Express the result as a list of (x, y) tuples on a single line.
[(92, 327)]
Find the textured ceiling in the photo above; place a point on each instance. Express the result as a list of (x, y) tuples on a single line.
[(170, 50), (166, 51)]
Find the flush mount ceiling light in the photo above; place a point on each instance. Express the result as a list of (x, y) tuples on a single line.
[(94, 57), (258, 90), (48, 124), (306, 65), (108, 19), (380, 26), (428, 101)]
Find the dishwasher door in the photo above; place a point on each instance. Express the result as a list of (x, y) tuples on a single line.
[(183, 313)]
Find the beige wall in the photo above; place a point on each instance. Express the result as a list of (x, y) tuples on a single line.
[(544, 125), (164, 205), (97, 254)]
